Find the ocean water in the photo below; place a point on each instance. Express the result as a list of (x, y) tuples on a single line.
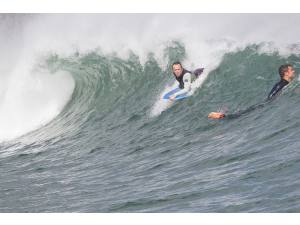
[(84, 129)]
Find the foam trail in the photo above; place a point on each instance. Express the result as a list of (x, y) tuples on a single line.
[(161, 104)]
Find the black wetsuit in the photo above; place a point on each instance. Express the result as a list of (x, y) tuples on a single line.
[(197, 73), (180, 78), (277, 88), (273, 93)]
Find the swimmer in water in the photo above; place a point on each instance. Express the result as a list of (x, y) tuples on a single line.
[(286, 73)]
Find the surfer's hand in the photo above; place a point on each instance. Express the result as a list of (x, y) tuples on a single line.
[(172, 98), (216, 115)]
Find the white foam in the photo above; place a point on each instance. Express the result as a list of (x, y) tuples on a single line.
[(161, 104), (32, 99)]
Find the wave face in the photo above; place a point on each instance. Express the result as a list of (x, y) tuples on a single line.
[(84, 128)]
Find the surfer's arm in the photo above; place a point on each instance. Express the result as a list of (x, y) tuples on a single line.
[(187, 80), (216, 115)]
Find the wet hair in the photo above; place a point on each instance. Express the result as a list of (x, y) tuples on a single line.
[(177, 63), (283, 69)]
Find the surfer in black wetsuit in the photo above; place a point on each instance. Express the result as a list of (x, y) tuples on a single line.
[(184, 78), (287, 74)]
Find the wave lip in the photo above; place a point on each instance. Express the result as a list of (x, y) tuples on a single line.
[(32, 100)]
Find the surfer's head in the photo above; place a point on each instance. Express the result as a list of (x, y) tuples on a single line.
[(286, 72), (177, 69)]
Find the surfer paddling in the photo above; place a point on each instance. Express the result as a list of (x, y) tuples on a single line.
[(286, 73), (184, 78)]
